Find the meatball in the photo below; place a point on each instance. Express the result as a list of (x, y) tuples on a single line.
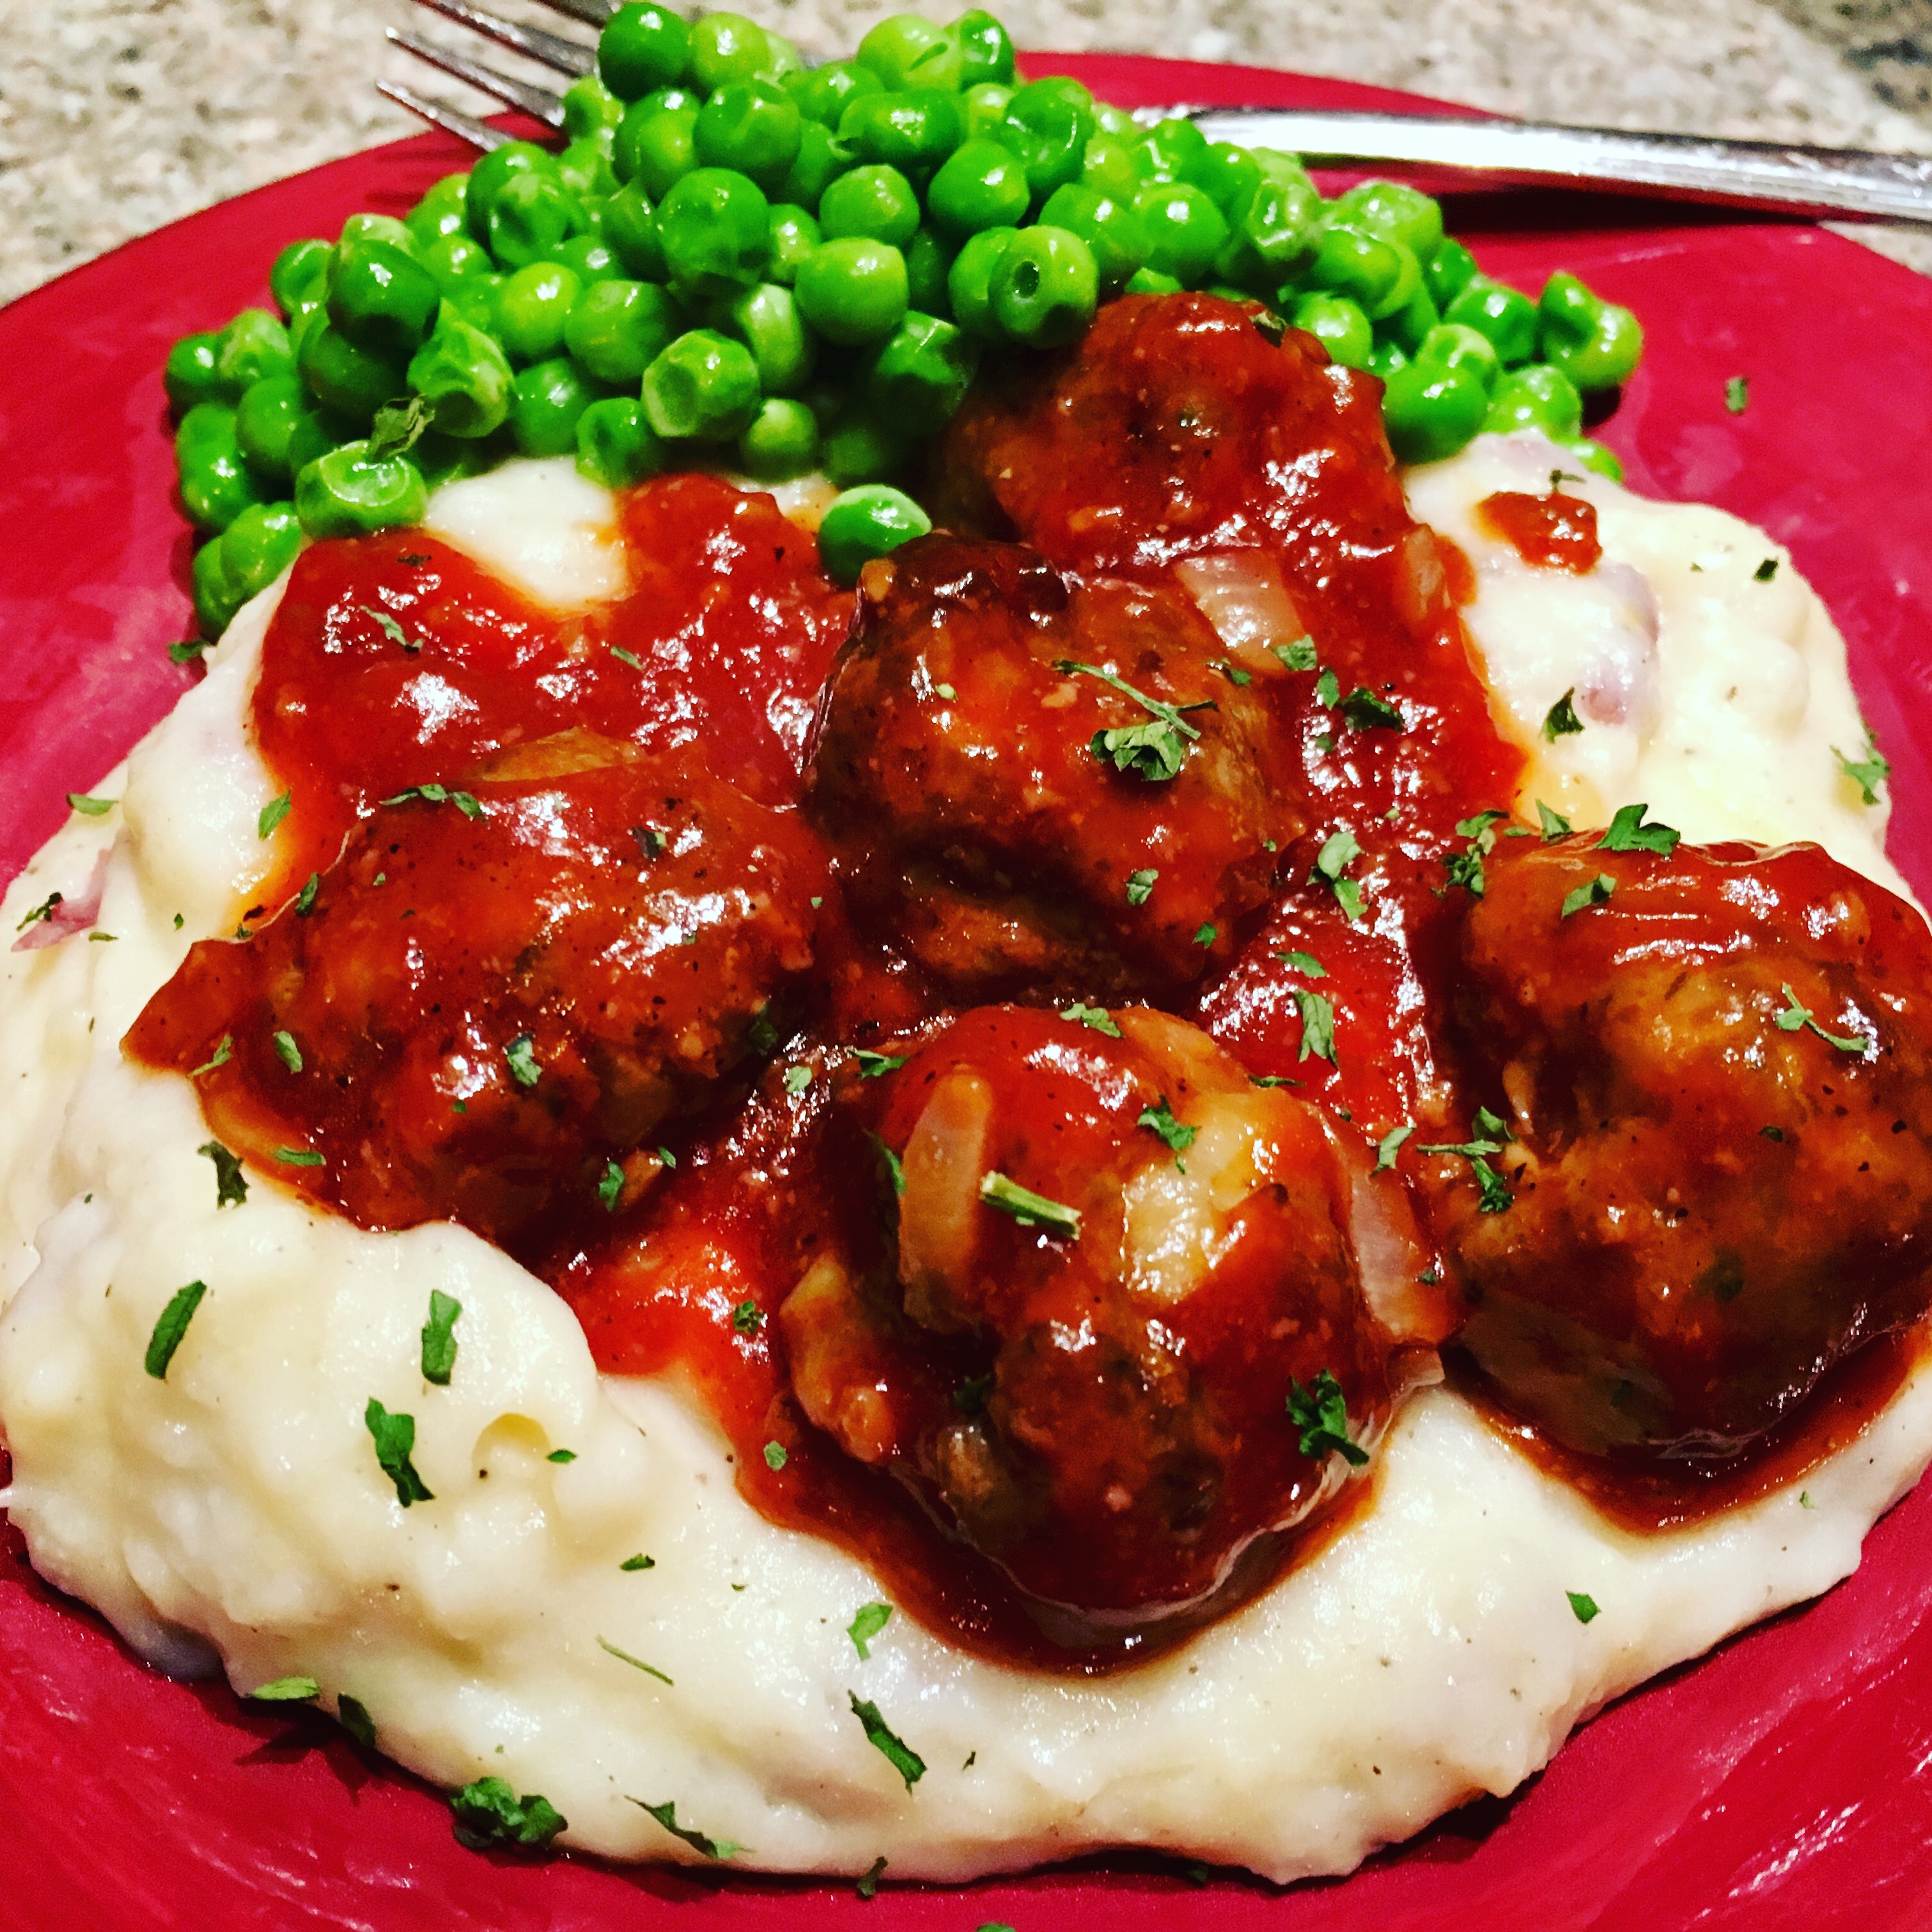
[(1039, 785), (500, 998), (1116, 1331), (1714, 1064)]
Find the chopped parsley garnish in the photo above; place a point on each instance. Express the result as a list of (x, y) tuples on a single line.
[(436, 794), (651, 842), (1554, 824), (1560, 720), (1367, 712), (1591, 892), (636, 1663), (946, 692), (879, 1734), (876, 1066), (611, 1186), (1318, 1026), (1385, 1147), (188, 651), (398, 427), (1804, 1500), (776, 1458), (171, 1328), (1794, 1016), (969, 1397), (872, 1618), (1029, 1209), (710, 1848), (301, 1157), (391, 629), (1140, 885), (640, 1561), (1338, 851), (561, 1456), (231, 1185), (395, 1437), (1098, 1018), (1205, 934), (1320, 1412), (1304, 962), (109, 937), (287, 1051), (285, 1690), (1154, 752), (1628, 833), (868, 1885), (1766, 571), (1495, 1192), (438, 1338), (1328, 694), (1868, 773), (1233, 673), (1465, 868), (271, 814), (352, 1715), (45, 911), (1737, 394), (625, 657), (488, 1812), (1585, 1606), (221, 1056), (1298, 655), (305, 899), (1159, 1119), (796, 1080), (90, 807), (521, 1058), (895, 1167), (748, 1318), (1772, 1133)]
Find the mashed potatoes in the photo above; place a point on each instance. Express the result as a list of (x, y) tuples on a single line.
[(234, 1512)]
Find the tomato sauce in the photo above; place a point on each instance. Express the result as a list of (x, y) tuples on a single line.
[(1552, 533)]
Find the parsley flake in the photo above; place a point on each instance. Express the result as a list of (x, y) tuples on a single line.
[(222, 1055), (640, 1561), (521, 1058), (1495, 1191), (1304, 962), (1320, 1412), (1766, 571), (272, 814), (946, 691), (1328, 694), (876, 1066), (868, 1885), (90, 807), (438, 1338), (872, 1618), (489, 1813), (706, 1847), (1206, 934), (45, 911), (1385, 1147), (170, 1328), (1772, 1133), (398, 427), (1737, 394), (395, 1437), (1868, 773), (1465, 868), (1628, 833), (1804, 1500), (1159, 1119), (391, 629), (604, 1643), (352, 1715), (1367, 712), (1338, 851), (776, 1458), (796, 1080), (287, 1051), (1140, 886), (1154, 752), (188, 651), (1298, 655), (625, 657), (1561, 721), (1591, 892), (231, 1185), (879, 1734), (1554, 824), (305, 901), (611, 1186), (748, 1318), (1098, 1018), (1584, 1606), (301, 1157), (285, 1690), (1318, 1027), (1029, 1209), (1794, 1016), (1233, 673), (895, 1167)]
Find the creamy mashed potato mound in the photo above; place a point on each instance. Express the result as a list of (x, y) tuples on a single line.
[(233, 1515)]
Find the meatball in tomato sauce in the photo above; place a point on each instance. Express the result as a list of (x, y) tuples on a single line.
[(1039, 785), (1714, 1064), (1116, 1330), (500, 998)]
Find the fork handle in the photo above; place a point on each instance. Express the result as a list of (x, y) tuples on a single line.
[(1839, 180)]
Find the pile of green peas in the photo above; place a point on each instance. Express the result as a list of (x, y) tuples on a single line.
[(739, 262)]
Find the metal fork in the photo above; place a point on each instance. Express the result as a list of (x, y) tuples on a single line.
[(1808, 180)]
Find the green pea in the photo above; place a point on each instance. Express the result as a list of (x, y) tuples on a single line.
[(906, 52), (546, 400), (1454, 346), (1448, 271), (354, 382), (279, 430), (253, 345), (922, 372), (441, 459), (823, 96), (822, 158), (1411, 323), (487, 177), (216, 600), (590, 108), (531, 308), (189, 375), (860, 447), (454, 259), (1385, 358), (616, 328), (982, 184), (348, 493), (475, 298), (714, 226), (1166, 148), (589, 259), (1593, 455), (702, 388), (781, 442), (1112, 228), (860, 524), (1227, 175), (584, 169), (784, 63), (1613, 348), (727, 48), (381, 299), (1507, 318), (969, 283), (985, 50), (216, 483), (877, 202), (753, 126), (983, 110), (641, 48), (791, 235), (928, 260), (1045, 287), (297, 275), (913, 132), (1185, 230), (440, 211), (1115, 123), (1048, 129), (655, 147), (383, 228), (1379, 275), (1430, 411), (257, 547), (630, 231), (530, 216), (767, 320), (1151, 282), (464, 375), (853, 291), (616, 446), (1278, 222), (1537, 397), (1395, 212), (1108, 168), (1336, 322)]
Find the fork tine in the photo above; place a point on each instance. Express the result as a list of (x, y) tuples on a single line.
[(550, 50), (592, 13), (451, 120), (538, 102)]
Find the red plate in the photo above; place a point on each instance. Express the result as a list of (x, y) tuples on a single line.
[(1781, 1782)]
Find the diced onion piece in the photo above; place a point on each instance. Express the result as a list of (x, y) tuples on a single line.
[(945, 1161), (1240, 593)]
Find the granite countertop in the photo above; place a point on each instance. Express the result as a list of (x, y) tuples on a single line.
[(118, 115)]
